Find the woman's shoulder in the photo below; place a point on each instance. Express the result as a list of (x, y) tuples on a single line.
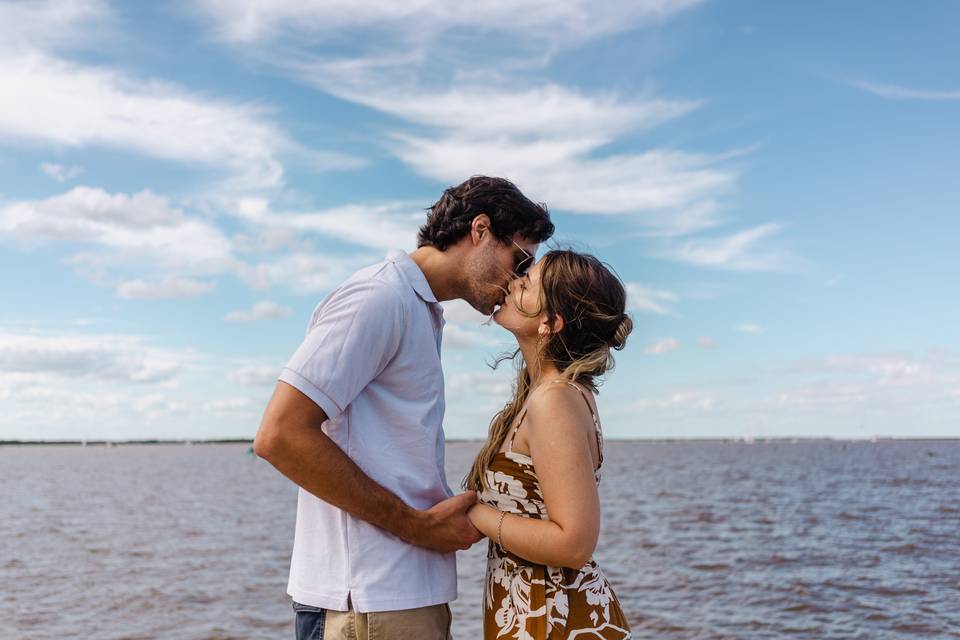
[(558, 405)]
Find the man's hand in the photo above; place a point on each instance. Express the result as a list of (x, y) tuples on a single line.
[(445, 527), (290, 438)]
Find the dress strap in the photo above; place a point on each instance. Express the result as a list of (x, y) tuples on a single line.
[(515, 429), (596, 422)]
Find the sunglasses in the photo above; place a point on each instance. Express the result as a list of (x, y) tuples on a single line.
[(522, 261)]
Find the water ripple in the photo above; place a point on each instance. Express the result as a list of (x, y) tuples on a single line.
[(703, 540)]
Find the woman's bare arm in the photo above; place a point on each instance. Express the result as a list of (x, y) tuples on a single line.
[(559, 432)]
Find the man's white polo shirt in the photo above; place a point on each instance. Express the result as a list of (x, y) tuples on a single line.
[(371, 361)]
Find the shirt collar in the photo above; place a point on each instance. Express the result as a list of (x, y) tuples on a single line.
[(413, 274)]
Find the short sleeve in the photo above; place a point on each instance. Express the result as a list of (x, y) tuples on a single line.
[(353, 335)]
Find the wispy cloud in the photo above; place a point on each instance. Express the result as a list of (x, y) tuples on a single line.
[(663, 346), (384, 225), (460, 312), (749, 327), (71, 105), (458, 119), (679, 401), (302, 272), (549, 140), (457, 337), (166, 288), (823, 395), (263, 310), (741, 251), (873, 380), (144, 246), (641, 297), (88, 357), (540, 21), (231, 406), (492, 383), (255, 375), (59, 172), (895, 92), (126, 228), (51, 24)]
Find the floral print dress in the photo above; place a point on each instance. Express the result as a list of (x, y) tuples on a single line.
[(526, 601)]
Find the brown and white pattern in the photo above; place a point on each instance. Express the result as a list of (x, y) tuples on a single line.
[(526, 601)]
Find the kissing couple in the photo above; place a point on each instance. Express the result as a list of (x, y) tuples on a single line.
[(356, 421)]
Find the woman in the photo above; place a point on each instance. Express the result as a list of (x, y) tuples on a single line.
[(543, 456)]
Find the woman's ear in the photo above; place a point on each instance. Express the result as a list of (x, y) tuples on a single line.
[(547, 328)]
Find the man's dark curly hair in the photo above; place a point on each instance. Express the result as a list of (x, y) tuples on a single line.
[(509, 211)]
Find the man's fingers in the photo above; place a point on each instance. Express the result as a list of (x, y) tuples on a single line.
[(465, 500)]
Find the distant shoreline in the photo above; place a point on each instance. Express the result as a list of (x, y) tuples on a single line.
[(185, 442)]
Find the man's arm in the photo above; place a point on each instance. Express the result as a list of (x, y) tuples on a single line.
[(290, 438)]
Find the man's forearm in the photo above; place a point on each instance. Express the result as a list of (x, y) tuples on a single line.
[(310, 459), (292, 440)]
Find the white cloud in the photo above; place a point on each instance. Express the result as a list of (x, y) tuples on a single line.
[(495, 383), (641, 297), (255, 376), (741, 251), (271, 240), (460, 312), (230, 406), (679, 400), (154, 406), (49, 24), (164, 289), (747, 327), (540, 21), (820, 395), (895, 92), (889, 368), (565, 174), (65, 104), (59, 172), (115, 358), (303, 272), (170, 251), (663, 346), (707, 342), (550, 110), (385, 225), (131, 229), (263, 310), (547, 138), (456, 337), (882, 382)]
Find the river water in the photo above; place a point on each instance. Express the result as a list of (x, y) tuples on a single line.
[(818, 539)]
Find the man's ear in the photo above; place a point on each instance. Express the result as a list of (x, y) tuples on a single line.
[(480, 228)]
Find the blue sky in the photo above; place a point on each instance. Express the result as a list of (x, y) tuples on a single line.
[(181, 184)]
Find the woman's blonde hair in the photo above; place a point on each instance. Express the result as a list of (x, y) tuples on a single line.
[(591, 301)]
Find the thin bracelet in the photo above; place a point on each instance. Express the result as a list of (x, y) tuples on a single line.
[(503, 514)]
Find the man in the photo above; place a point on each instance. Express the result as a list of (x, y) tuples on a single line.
[(356, 422)]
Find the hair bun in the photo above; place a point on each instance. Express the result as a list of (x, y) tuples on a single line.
[(623, 330)]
